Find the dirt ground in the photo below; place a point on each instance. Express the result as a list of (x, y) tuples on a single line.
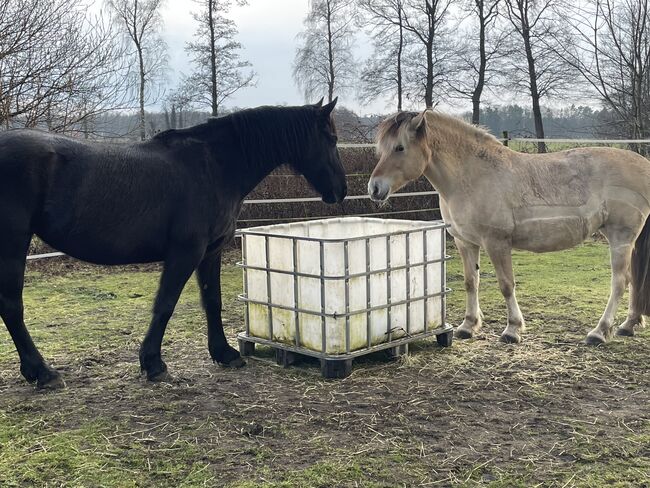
[(548, 412)]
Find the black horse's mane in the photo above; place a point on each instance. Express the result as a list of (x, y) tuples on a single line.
[(264, 134)]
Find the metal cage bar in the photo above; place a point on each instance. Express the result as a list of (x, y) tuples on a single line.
[(368, 301), (408, 285), (425, 280), (346, 264), (245, 279), (296, 314), (322, 297), (268, 284), (389, 333)]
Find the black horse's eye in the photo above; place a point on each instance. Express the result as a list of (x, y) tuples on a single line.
[(399, 148)]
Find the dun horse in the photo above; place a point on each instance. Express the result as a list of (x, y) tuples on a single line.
[(174, 198), (499, 199)]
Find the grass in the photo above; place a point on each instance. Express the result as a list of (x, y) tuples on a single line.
[(547, 412)]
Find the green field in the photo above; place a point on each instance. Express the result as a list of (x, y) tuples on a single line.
[(548, 412)]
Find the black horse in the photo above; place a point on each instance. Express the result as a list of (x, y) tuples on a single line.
[(174, 198)]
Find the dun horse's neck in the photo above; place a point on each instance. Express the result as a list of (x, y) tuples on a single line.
[(456, 146)]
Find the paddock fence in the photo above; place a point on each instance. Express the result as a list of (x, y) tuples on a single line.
[(284, 196)]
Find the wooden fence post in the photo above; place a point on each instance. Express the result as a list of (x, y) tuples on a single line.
[(505, 138)]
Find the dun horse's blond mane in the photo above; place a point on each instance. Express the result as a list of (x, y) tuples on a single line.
[(444, 129)]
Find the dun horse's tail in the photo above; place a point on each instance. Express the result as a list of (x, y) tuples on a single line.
[(641, 270)]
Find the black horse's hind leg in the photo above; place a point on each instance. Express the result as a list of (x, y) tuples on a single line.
[(209, 277), (12, 269), (176, 271)]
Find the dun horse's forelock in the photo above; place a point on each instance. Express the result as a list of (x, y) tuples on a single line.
[(391, 130)]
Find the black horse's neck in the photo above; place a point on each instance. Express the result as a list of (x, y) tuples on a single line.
[(268, 137), (250, 144)]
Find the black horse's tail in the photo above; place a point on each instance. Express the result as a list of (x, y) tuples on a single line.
[(641, 270)]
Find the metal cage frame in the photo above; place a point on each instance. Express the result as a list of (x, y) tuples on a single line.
[(424, 262)]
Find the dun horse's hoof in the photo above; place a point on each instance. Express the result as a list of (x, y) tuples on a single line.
[(510, 338), (234, 363), (594, 339), (462, 334), (50, 381), (625, 332)]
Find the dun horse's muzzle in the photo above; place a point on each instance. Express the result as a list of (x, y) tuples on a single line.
[(378, 189)]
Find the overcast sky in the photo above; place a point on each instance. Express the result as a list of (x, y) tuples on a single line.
[(267, 32)]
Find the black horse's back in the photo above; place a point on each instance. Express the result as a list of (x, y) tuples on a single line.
[(107, 204)]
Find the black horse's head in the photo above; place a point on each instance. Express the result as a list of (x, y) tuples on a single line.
[(320, 162)]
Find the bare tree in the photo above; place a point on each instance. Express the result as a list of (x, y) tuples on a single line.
[(176, 104), (324, 62), (539, 26), (382, 74), (219, 71), (59, 66), (484, 46), (141, 22), (425, 20), (613, 56)]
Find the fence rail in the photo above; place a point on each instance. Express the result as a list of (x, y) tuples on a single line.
[(269, 201), (532, 139)]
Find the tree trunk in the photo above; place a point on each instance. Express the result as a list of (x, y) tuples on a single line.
[(428, 88), (143, 134), (213, 60), (480, 83), (399, 58), (330, 53), (534, 93)]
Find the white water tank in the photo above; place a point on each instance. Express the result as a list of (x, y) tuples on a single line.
[(343, 285)]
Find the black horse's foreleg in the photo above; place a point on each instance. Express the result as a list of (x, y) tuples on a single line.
[(176, 271), (12, 269), (209, 278)]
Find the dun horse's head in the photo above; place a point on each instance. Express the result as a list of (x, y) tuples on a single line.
[(320, 162), (403, 153)]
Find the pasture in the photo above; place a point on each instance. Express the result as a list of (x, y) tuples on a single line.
[(548, 412)]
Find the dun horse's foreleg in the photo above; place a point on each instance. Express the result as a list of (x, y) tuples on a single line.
[(12, 268), (209, 278), (621, 255), (501, 257), (469, 254), (176, 271)]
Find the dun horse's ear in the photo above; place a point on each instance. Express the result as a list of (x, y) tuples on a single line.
[(419, 123), (327, 109)]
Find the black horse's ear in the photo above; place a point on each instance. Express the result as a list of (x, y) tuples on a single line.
[(319, 103), (327, 109)]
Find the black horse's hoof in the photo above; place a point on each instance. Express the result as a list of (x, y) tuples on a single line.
[(50, 380), (621, 331), (235, 363), (29, 375), (162, 377), (227, 357), (462, 334)]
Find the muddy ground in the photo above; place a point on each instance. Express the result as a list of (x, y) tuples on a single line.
[(548, 412)]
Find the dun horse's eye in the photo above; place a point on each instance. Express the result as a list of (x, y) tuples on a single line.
[(399, 148)]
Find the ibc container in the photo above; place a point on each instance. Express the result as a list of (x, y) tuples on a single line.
[(342, 287)]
